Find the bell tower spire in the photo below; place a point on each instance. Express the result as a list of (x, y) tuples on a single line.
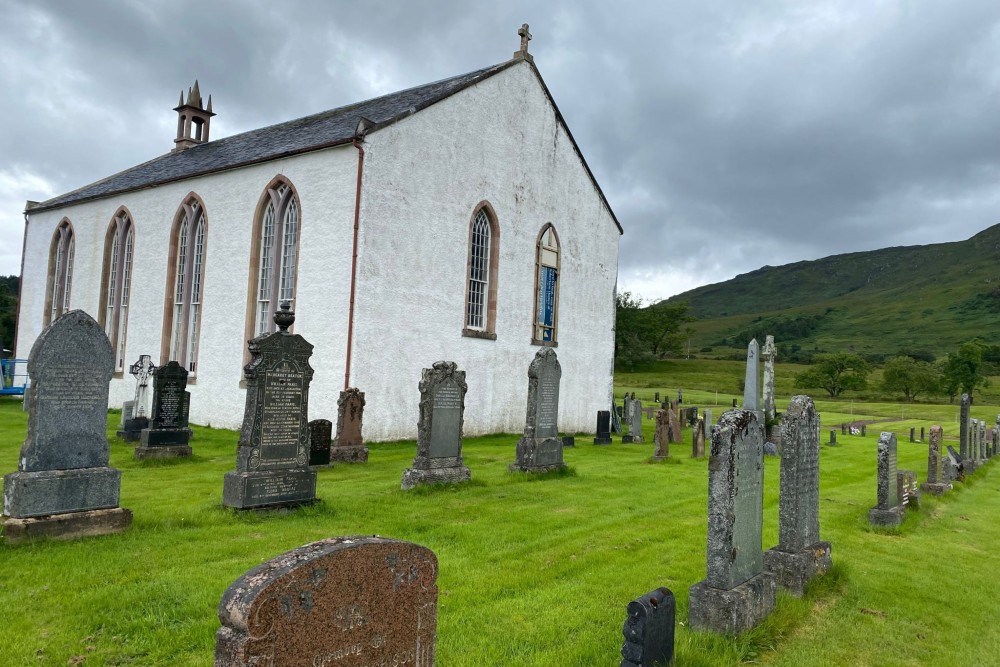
[(193, 119)]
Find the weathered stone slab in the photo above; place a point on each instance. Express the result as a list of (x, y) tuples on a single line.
[(603, 433), (649, 630), (439, 429), (348, 444), (888, 511), (906, 484), (71, 526), (731, 610), (751, 387), (833, 438), (698, 440), (661, 436), (540, 449), (44, 492), (936, 482), (769, 353), (635, 423), (344, 602), (963, 428), (320, 442)]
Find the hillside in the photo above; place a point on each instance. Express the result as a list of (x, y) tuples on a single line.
[(914, 298)]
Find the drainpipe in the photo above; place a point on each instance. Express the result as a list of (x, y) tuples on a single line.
[(358, 139), (20, 287)]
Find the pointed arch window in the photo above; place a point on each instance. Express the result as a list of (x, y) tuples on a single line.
[(546, 287), (60, 283), (276, 255), (185, 285), (481, 284), (118, 249)]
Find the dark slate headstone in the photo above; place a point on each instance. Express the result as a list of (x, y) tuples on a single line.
[(800, 555), (272, 459), (343, 601), (936, 483), (439, 430), (888, 511), (736, 594), (168, 433), (63, 487), (833, 437), (649, 630), (603, 436), (661, 436), (922, 434), (320, 440), (348, 445), (540, 449)]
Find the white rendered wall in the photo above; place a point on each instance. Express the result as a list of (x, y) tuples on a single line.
[(498, 141)]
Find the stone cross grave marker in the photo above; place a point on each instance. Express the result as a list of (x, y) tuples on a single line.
[(736, 594), (540, 449), (167, 435), (751, 387), (320, 441), (141, 370), (888, 511), (63, 487), (936, 483), (661, 436), (439, 430), (800, 555), (603, 435), (635, 423), (272, 458), (348, 445), (343, 601), (769, 353), (649, 630)]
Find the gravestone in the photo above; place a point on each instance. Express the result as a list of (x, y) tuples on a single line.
[(661, 436), (800, 555), (320, 441), (128, 413), (913, 434), (888, 511), (540, 449), (656, 398), (439, 429), (983, 453), (833, 437), (168, 434), (272, 457), (616, 417), (603, 434), (994, 441), (635, 424), (626, 408), (751, 387), (769, 353), (936, 483), (956, 465), (142, 371), (63, 487), (680, 396), (569, 441), (348, 445), (736, 594), (707, 416), (342, 601), (922, 434), (698, 440), (648, 411), (843, 429), (909, 494), (864, 430), (675, 423), (649, 630), (963, 428), (974, 441)]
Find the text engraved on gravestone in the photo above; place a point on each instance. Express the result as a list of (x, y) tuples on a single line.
[(67, 387), (748, 508), (281, 425), (171, 401), (446, 421)]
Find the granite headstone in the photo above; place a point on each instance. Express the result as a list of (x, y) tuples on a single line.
[(603, 434), (887, 512), (168, 434), (649, 630), (936, 483), (661, 436), (320, 442), (439, 429), (540, 449), (348, 445)]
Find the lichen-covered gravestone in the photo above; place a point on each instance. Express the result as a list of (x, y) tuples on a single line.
[(769, 353), (800, 555), (649, 630), (936, 483), (661, 436), (272, 459), (348, 445), (983, 451), (698, 439), (540, 449), (751, 386), (63, 487), (168, 434), (964, 445), (439, 430), (320, 439), (339, 602), (736, 594), (907, 491), (635, 423), (603, 434), (887, 512)]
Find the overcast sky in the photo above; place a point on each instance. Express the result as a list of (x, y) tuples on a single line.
[(726, 135)]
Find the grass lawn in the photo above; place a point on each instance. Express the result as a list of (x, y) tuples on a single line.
[(533, 571)]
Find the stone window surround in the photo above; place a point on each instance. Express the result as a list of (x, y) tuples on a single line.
[(489, 331), (122, 222), (191, 201), (538, 270), (59, 287)]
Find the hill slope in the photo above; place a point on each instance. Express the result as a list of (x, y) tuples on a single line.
[(912, 298)]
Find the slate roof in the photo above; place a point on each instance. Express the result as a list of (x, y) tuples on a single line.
[(318, 131)]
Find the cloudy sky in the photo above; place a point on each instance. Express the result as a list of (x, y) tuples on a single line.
[(726, 135)]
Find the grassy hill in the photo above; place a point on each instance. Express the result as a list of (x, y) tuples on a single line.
[(914, 298)]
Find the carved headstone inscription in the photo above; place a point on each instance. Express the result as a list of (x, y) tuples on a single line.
[(736, 594), (339, 602), (272, 459), (649, 630), (439, 430), (540, 449), (348, 445), (800, 555), (888, 511), (167, 434), (63, 487), (320, 440), (603, 434), (936, 482)]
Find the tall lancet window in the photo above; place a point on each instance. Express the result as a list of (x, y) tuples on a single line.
[(185, 284), (118, 248), (60, 281), (546, 287), (276, 257), (481, 286)]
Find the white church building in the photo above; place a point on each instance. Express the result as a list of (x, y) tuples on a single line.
[(456, 221)]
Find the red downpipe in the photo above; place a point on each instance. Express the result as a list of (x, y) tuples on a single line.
[(354, 263)]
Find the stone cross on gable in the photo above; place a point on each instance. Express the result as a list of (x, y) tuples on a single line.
[(142, 370), (522, 53)]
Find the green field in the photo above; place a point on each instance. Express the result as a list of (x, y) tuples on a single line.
[(533, 571)]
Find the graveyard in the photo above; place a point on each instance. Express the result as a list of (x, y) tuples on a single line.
[(533, 569)]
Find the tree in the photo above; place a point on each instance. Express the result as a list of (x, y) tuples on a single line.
[(836, 373), (963, 371), (909, 376), (644, 333)]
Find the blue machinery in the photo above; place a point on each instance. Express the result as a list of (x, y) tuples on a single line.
[(13, 376)]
